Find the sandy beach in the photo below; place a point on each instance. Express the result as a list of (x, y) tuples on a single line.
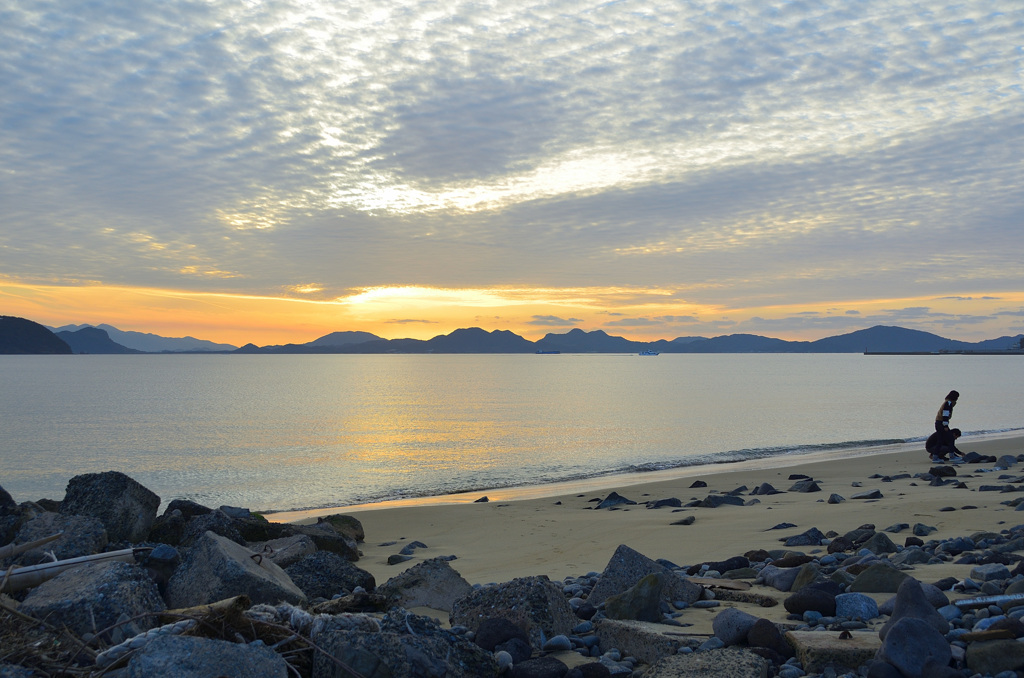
[(515, 534)]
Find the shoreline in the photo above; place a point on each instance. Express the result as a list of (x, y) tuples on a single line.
[(616, 480), (563, 535)]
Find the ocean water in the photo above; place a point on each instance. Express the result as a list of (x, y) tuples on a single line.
[(297, 432)]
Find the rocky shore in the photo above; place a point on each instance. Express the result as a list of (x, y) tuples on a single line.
[(200, 591)]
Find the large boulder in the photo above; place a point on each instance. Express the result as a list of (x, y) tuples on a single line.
[(286, 550), (82, 536), (732, 625), (641, 602), (534, 604), (627, 567), (915, 648), (191, 657), (912, 602), (216, 568), (324, 574), (125, 507), (93, 597), (433, 583), (722, 662)]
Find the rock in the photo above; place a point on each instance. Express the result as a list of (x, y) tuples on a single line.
[(835, 498), (1006, 461), (540, 667), (817, 650), (995, 656), (160, 564), (870, 494), (915, 648), (698, 483), (807, 574), (193, 657), (496, 631), (805, 486), (390, 655), (663, 503), (922, 530), (732, 625), (811, 599), (590, 670), (327, 538), (410, 548), (626, 567), (126, 508), (324, 574), (840, 545), (215, 521), (912, 602), (767, 635), (94, 596), (990, 572), (880, 543), (614, 500), (932, 593), (83, 536), (716, 500), (856, 606), (535, 604), (878, 578), (398, 558), (765, 489), (811, 537), (779, 578), (646, 641), (688, 520), (727, 661), (734, 563), (432, 583), (217, 568), (284, 551), (642, 601), (348, 526)]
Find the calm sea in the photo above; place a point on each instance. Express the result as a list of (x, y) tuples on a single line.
[(296, 432)]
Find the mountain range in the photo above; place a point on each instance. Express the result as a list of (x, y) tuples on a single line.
[(18, 335)]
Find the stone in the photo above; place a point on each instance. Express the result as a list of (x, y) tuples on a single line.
[(726, 661), (646, 641), (779, 578), (345, 525), (94, 596), (995, 656), (217, 568), (811, 599), (990, 572), (534, 604), (880, 543), (126, 508), (390, 655), (496, 631), (765, 634), (83, 536), (732, 625), (626, 567), (835, 498), (816, 650), (765, 489), (922, 530), (807, 574), (869, 494), (539, 667), (856, 606), (915, 648), (433, 583), (878, 578), (217, 522), (194, 657), (286, 550), (615, 500), (324, 574), (912, 602), (716, 500), (663, 503), (642, 601), (327, 538), (805, 486), (812, 537)]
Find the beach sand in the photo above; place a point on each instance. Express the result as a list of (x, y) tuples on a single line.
[(563, 535)]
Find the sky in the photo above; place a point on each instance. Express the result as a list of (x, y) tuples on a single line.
[(270, 172)]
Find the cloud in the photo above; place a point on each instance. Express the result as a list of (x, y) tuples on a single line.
[(553, 321)]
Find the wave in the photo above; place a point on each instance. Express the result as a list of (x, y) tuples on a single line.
[(870, 446)]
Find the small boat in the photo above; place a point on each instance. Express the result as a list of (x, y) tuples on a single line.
[(648, 352), (548, 352)]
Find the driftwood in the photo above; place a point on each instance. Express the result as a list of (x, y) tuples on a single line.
[(985, 601), (17, 549), (18, 578)]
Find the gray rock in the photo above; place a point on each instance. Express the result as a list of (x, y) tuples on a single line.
[(811, 537), (539, 667), (811, 599), (856, 606), (214, 521), (192, 657), (915, 648), (779, 578), (559, 643), (990, 572), (732, 625), (805, 486), (880, 543), (126, 508), (835, 498), (615, 499), (626, 567), (286, 550), (389, 655), (766, 634), (94, 596), (913, 555), (432, 583), (83, 536), (922, 530), (869, 494), (1007, 461), (217, 568), (534, 604), (727, 661), (878, 578), (911, 602), (642, 601), (327, 538), (995, 656), (324, 574)]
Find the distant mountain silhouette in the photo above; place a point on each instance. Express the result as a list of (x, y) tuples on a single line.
[(597, 341), (93, 340), (19, 336), (153, 343), (343, 339)]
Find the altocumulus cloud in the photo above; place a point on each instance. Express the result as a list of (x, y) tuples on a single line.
[(813, 150)]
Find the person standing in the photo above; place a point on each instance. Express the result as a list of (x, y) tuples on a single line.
[(946, 438)]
